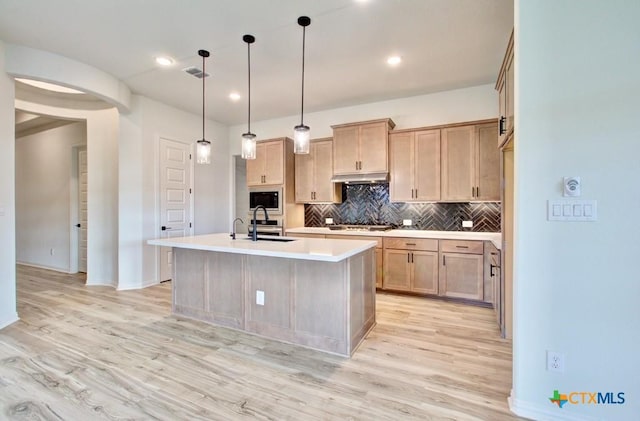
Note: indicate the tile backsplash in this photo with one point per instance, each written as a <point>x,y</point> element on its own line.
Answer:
<point>369,204</point>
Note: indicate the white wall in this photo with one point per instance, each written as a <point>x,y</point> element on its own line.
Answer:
<point>139,183</point>
<point>7,197</point>
<point>577,285</point>
<point>476,103</point>
<point>102,152</point>
<point>43,196</point>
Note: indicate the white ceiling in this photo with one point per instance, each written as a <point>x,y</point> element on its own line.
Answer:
<point>445,44</point>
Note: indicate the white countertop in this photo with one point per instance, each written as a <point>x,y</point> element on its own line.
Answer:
<point>325,250</point>
<point>494,237</point>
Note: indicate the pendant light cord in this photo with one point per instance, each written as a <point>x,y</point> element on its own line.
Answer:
<point>204,75</point>
<point>249,83</point>
<point>304,31</point>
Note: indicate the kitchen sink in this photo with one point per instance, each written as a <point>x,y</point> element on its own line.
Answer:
<point>277,239</point>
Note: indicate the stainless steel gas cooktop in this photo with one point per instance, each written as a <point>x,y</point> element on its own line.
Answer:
<point>360,227</point>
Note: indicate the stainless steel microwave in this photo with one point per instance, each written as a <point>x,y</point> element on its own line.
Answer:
<point>271,198</point>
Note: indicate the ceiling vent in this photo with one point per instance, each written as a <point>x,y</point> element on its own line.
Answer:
<point>194,71</point>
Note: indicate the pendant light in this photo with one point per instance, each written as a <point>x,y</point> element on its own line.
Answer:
<point>301,132</point>
<point>248,138</point>
<point>203,146</point>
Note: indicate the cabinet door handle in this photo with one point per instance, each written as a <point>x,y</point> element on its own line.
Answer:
<point>462,247</point>
<point>411,257</point>
<point>408,258</point>
<point>410,244</point>
<point>473,191</point>
<point>501,126</point>
<point>416,193</point>
<point>444,260</point>
<point>477,191</point>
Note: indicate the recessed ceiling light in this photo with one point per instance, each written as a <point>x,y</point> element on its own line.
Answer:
<point>164,61</point>
<point>394,60</point>
<point>234,96</point>
<point>49,86</point>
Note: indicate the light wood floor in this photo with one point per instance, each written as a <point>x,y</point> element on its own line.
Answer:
<point>85,353</point>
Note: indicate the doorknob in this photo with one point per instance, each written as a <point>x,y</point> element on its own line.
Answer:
<point>78,225</point>
<point>163,228</point>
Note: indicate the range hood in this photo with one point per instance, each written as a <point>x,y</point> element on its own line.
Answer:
<point>375,177</point>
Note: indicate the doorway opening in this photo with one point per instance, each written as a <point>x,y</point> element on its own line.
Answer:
<point>48,192</point>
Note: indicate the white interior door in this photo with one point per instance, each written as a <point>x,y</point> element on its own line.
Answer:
<point>82,210</point>
<point>175,197</point>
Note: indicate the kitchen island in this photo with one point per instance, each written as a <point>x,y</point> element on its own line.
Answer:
<point>319,293</point>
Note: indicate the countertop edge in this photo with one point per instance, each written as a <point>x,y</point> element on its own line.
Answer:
<point>494,237</point>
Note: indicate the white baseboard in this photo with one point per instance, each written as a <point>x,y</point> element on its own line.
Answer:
<point>539,412</point>
<point>146,284</point>
<point>9,320</point>
<point>33,265</point>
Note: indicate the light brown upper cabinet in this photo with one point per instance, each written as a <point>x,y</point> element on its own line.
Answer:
<point>505,87</point>
<point>268,167</point>
<point>360,148</point>
<point>313,174</point>
<point>470,163</point>
<point>414,159</point>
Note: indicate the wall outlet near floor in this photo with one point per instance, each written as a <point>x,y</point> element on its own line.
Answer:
<point>407,222</point>
<point>328,221</point>
<point>467,224</point>
<point>555,361</point>
<point>259,297</point>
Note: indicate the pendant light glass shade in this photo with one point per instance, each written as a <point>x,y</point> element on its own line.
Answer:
<point>248,146</point>
<point>203,146</point>
<point>203,152</point>
<point>248,138</point>
<point>301,134</point>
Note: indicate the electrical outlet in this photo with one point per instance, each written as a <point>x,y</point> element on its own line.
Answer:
<point>328,221</point>
<point>467,224</point>
<point>407,222</point>
<point>555,361</point>
<point>259,297</point>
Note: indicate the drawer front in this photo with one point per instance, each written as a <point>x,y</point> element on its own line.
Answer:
<point>304,235</point>
<point>402,243</point>
<point>461,246</point>
<point>356,237</point>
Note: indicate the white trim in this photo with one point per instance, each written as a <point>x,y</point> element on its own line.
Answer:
<point>5,323</point>
<point>55,269</point>
<point>536,411</point>
<point>147,284</point>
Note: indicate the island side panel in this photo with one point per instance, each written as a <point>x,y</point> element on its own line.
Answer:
<point>209,286</point>
<point>225,288</point>
<point>321,292</point>
<point>272,276</point>
<point>362,297</point>
<point>188,282</point>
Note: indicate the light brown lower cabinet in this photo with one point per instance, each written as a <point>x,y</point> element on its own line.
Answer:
<point>378,250</point>
<point>461,269</point>
<point>411,265</point>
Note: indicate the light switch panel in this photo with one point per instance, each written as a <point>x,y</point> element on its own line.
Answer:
<point>572,210</point>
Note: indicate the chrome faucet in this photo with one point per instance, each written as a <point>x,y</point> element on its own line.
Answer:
<point>233,234</point>
<point>254,233</point>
